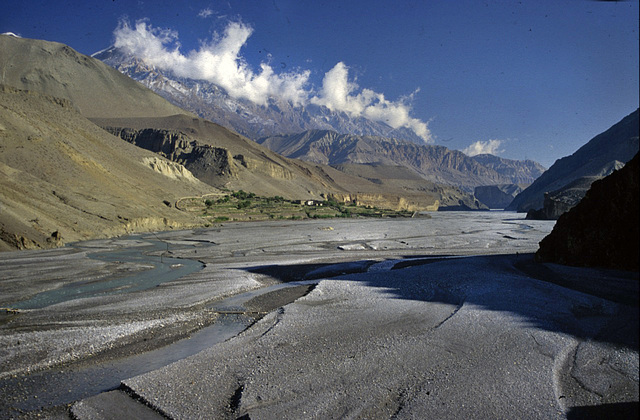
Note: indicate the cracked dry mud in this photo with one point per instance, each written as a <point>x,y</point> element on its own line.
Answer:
<point>444,317</point>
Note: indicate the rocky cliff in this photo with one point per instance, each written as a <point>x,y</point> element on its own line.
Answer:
<point>213,165</point>
<point>222,158</point>
<point>603,229</point>
<point>561,201</point>
<point>521,172</point>
<point>596,158</point>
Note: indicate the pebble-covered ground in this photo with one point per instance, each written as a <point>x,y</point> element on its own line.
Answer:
<point>444,317</point>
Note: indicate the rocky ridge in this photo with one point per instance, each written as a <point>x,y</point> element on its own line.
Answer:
<point>434,163</point>
<point>521,172</point>
<point>598,158</point>
<point>224,159</point>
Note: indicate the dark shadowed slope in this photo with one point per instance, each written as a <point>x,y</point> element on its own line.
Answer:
<point>596,158</point>
<point>602,230</point>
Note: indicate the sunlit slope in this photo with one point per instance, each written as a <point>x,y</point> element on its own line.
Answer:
<point>61,173</point>
<point>94,88</point>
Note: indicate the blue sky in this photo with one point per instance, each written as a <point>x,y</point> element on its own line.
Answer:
<point>524,79</point>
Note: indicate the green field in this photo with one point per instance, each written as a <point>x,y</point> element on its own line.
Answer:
<point>243,206</point>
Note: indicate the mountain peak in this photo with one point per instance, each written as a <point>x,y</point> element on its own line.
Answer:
<point>276,116</point>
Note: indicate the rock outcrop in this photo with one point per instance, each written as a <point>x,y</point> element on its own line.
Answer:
<point>210,164</point>
<point>602,230</point>
<point>222,158</point>
<point>558,202</point>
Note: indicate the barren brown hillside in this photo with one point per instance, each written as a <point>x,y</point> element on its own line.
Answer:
<point>94,88</point>
<point>61,173</point>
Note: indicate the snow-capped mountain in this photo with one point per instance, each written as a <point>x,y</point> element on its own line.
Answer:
<point>211,102</point>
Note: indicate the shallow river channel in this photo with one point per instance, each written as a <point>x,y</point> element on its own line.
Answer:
<point>64,385</point>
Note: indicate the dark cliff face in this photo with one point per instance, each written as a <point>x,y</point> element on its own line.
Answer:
<point>558,202</point>
<point>207,163</point>
<point>602,230</point>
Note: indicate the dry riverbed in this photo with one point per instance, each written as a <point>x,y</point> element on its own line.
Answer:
<point>443,317</point>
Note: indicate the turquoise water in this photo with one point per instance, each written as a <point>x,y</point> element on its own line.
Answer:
<point>164,270</point>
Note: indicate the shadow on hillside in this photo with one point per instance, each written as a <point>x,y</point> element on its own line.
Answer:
<point>509,283</point>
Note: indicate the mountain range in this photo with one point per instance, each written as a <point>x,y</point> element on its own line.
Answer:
<point>434,163</point>
<point>358,140</point>
<point>212,103</point>
<point>88,152</point>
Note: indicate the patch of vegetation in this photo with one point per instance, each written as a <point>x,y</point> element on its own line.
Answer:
<point>243,206</point>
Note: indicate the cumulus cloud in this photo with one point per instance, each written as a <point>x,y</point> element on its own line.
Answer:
<point>481,147</point>
<point>340,94</point>
<point>205,13</point>
<point>219,61</point>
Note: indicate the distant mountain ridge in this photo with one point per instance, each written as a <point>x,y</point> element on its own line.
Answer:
<point>209,101</point>
<point>519,171</point>
<point>597,158</point>
<point>212,103</point>
<point>435,163</point>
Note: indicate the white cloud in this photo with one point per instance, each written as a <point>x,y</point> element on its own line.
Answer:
<point>205,13</point>
<point>219,61</point>
<point>339,94</point>
<point>491,147</point>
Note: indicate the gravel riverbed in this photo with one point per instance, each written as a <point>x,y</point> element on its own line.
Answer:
<point>443,317</point>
